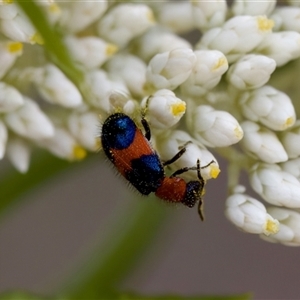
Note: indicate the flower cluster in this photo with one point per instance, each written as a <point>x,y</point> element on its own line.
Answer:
<point>211,95</point>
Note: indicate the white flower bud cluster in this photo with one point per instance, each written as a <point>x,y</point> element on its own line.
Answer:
<point>222,91</point>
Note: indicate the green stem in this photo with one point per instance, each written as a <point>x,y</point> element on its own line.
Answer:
<point>111,260</point>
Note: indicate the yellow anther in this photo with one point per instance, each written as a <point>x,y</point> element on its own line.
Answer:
<point>271,227</point>
<point>79,153</point>
<point>214,171</point>
<point>14,47</point>
<point>288,122</point>
<point>264,24</point>
<point>178,108</point>
<point>220,63</point>
<point>238,131</point>
<point>36,38</point>
<point>111,49</point>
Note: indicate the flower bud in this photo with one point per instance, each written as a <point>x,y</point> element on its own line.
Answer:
<point>292,166</point>
<point>84,127</point>
<point>56,88</point>
<point>214,128</point>
<point>10,98</point>
<point>77,15</point>
<point>124,22</point>
<point>91,52</point>
<point>209,14</point>
<point>176,16</point>
<point>282,46</point>
<point>250,8</point>
<point>291,140</point>
<point>286,18</point>
<point>275,186</point>
<point>289,233</point>
<point>238,36</point>
<point>269,106</point>
<point>63,145</point>
<point>156,40</point>
<point>169,144</point>
<point>251,71</point>
<point>29,121</point>
<point>18,152</point>
<point>250,215</point>
<point>163,109</point>
<point>9,52</point>
<point>206,73</point>
<point>101,87</point>
<point>262,143</point>
<point>16,26</point>
<point>170,69</point>
<point>131,70</point>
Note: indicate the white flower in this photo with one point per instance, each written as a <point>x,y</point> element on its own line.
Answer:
<point>90,51</point>
<point>16,25</point>
<point>262,143</point>
<point>289,233</point>
<point>9,52</point>
<point>10,98</point>
<point>63,145</point>
<point>56,88</point>
<point>238,36</point>
<point>169,144</point>
<point>18,152</point>
<point>177,16</point>
<point>253,8</point>
<point>275,185</point>
<point>101,87</point>
<point>163,109</point>
<point>30,121</point>
<point>269,106</point>
<point>124,22</point>
<point>3,138</point>
<point>158,40</point>
<point>291,140</point>
<point>214,128</point>
<point>209,14</point>
<point>207,72</point>
<point>170,69</point>
<point>287,18</point>
<point>251,71</point>
<point>121,101</point>
<point>8,10</point>
<point>250,215</point>
<point>282,46</point>
<point>131,70</point>
<point>84,127</point>
<point>77,15</point>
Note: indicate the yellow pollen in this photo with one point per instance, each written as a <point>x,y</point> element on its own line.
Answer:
<point>79,153</point>
<point>36,38</point>
<point>15,47</point>
<point>220,63</point>
<point>238,132</point>
<point>214,171</point>
<point>271,227</point>
<point>111,49</point>
<point>289,122</point>
<point>264,24</point>
<point>8,1</point>
<point>178,108</point>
